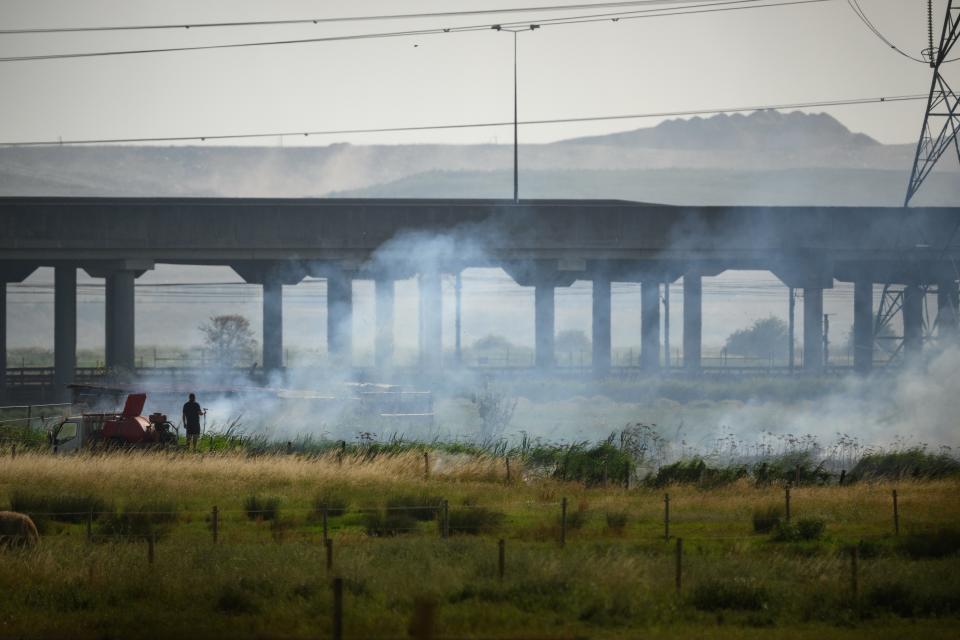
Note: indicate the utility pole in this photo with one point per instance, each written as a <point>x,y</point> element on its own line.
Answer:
<point>791,331</point>
<point>516,137</point>
<point>666,325</point>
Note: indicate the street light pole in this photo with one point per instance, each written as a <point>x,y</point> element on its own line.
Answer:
<point>516,137</point>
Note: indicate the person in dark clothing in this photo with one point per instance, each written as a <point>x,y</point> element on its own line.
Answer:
<point>191,420</point>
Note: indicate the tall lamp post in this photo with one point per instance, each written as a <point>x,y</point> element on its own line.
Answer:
<point>516,154</point>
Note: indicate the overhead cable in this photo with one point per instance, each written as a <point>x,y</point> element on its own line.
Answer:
<point>739,5</point>
<point>339,19</point>
<point>473,125</point>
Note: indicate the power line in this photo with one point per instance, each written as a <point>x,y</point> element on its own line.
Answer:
<point>473,125</point>
<point>654,13</point>
<point>860,13</point>
<point>369,18</point>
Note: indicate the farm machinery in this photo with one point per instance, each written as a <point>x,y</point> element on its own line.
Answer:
<point>127,429</point>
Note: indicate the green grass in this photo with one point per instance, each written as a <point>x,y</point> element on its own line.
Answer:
<point>614,578</point>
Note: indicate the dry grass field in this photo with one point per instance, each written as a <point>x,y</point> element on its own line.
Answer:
<point>615,576</point>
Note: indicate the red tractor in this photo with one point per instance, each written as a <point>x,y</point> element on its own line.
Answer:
<point>114,430</point>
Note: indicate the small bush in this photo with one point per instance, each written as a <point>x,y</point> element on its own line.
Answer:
<point>805,529</point>
<point>577,519</point>
<point>894,597</point>
<point>336,506</point>
<point>767,519</point>
<point>262,508</point>
<point>235,600</point>
<point>474,520</point>
<point>62,507</point>
<point>382,524</point>
<point>909,463</point>
<point>714,595</point>
<point>140,521</point>
<point>696,471</point>
<point>419,507</point>
<point>617,521</point>
<point>931,544</point>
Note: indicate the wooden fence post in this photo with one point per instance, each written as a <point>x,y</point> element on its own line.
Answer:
<point>855,570</point>
<point>666,516</point>
<point>338,609</point>
<point>423,622</point>
<point>215,523</point>
<point>446,519</point>
<point>90,525</point>
<point>426,465</point>
<point>502,559</point>
<point>508,468</point>
<point>787,501</point>
<point>679,576</point>
<point>563,522</point>
<point>896,514</point>
<point>151,540</point>
<point>326,535</point>
<point>13,451</point>
<point>328,543</point>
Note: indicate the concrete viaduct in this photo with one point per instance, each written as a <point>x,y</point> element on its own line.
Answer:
<point>540,243</point>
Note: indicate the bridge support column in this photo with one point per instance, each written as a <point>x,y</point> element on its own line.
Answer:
<point>120,320</point>
<point>948,315</point>
<point>384,291</point>
<point>431,321</point>
<point>650,325</point>
<point>272,324</point>
<point>3,342</point>
<point>340,318</point>
<point>64,330</point>
<point>692,320</point>
<point>545,324</point>
<point>601,324</point>
<point>863,325</point>
<point>813,329</point>
<point>912,320</point>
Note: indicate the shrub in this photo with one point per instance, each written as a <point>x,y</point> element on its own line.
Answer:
<point>235,600</point>
<point>805,529</point>
<point>617,521</point>
<point>379,523</point>
<point>140,521</point>
<point>714,595</point>
<point>262,508</point>
<point>767,519</point>
<point>915,463</point>
<point>419,507</point>
<point>62,507</point>
<point>931,544</point>
<point>474,520</point>
<point>593,466</point>
<point>576,519</point>
<point>894,597</point>
<point>696,471</point>
<point>336,506</point>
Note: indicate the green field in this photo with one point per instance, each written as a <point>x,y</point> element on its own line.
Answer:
<point>615,576</point>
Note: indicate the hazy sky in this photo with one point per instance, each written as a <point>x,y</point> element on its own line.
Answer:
<point>761,56</point>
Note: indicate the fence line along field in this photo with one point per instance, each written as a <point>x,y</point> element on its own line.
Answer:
<point>442,544</point>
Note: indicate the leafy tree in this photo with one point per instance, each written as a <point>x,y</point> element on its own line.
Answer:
<point>765,337</point>
<point>572,341</point>
<point>229,338</point>
<point>492,343</point>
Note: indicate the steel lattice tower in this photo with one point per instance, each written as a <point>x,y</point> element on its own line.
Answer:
<point>942,118</point>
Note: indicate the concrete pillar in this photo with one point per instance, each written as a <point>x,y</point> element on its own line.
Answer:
<point>863,325</point>
<point>272,324</point>
<point>544,324</point>
<point>948,314</point>
<point>64,330</point>
<point>340,318</point>
<point>3,342</point>
<point>912,320</point>
<point>650,325</point>
<point>692,320</point>
<point>601,324</point>
<point>431,321</point>
<point>120,320</point>
<point>384,291</point>
<point>812,329</point>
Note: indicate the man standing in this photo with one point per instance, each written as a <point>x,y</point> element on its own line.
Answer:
<point>191,420</point>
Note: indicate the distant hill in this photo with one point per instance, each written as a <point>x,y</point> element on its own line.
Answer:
<point>760,130</point>
<point>766,157</point>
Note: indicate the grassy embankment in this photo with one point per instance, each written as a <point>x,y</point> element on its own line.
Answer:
<point>614,577</point>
